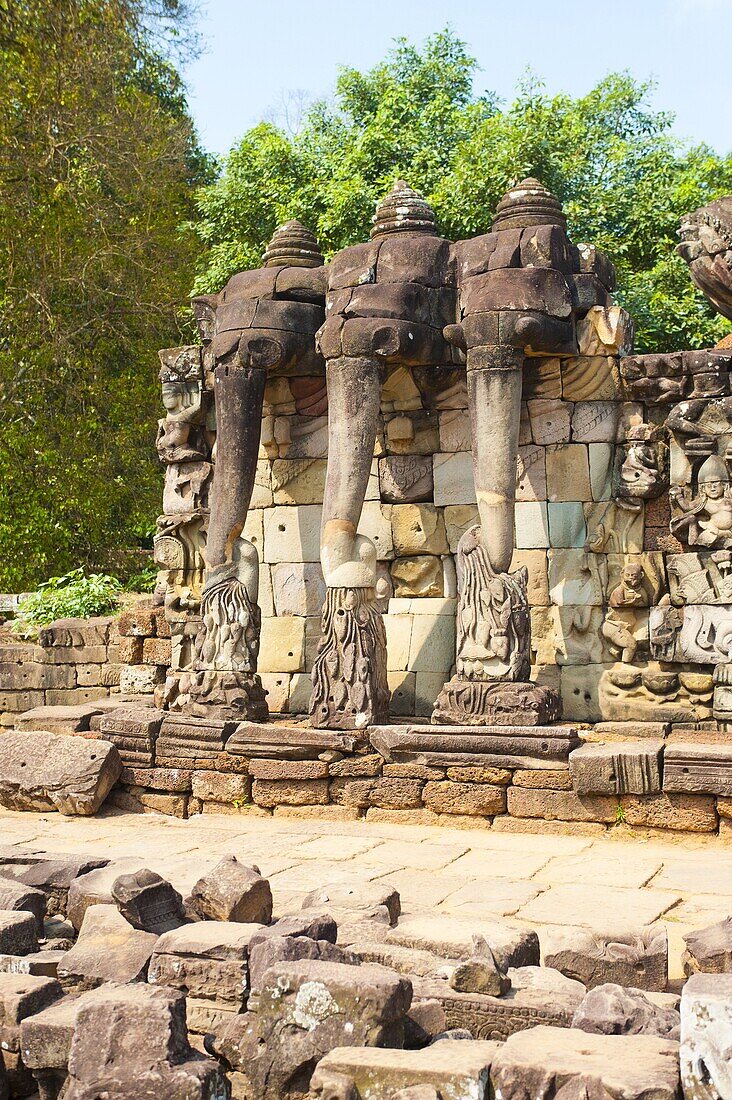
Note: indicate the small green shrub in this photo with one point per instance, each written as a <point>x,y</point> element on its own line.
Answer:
<point>70,596</point>
<point>144,580</point>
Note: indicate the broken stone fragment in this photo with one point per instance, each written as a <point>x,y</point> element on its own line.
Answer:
<point>231,891</point>
<point>21,995</point>
<point>108,949</point>
<point>148,902</point>
<point>270,951</point>
<point>52,876</point>
<point>453,938</point>
<point>304,1010</point>
<point>207,960</point>
<point>709,950</point>
<point>617,1010</point>
<point>47,771</point>
<point>103,1061</point>
<point>538,995</point>
<point>366,898</point>
<point>449,1069</point>
<point>480,973</point>
<point>95,888</point>
<point>424,1022</point>
<point>635,957</point>
<point>17,896</point>
<point>544,1061</point>
<point>17,933</point>
<point>706,1037</point>
<point>311,923</point>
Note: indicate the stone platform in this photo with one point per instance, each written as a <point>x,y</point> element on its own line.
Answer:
<point>559,777</point>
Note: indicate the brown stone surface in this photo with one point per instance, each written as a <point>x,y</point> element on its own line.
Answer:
<point>108,950</point>
<point>562,805</point>
<point>18,933</point>
<point>19,897</point>
<point>634,957</point>
<point>709,950</point>
<point>43,771</point>
<point>288,769</point>
<point>692,813</point>
<point>454,1068</point>
<point>290,792</point>
<point>450,797</point>
<point>630,1067</point>
<point>548,780</point>
<point>148,902</point>
<point>232,892</point>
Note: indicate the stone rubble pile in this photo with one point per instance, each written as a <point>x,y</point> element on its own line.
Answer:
<point>113,985</point>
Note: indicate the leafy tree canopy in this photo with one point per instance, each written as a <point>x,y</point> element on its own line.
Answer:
<point>608,156</point>
<point>98,162</point>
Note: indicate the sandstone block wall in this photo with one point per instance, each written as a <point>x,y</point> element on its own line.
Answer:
<point>74,661</point>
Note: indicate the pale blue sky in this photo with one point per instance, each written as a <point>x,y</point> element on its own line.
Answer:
<point>258,53</point>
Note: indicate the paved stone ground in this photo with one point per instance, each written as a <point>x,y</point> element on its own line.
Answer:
<point>537,878</point>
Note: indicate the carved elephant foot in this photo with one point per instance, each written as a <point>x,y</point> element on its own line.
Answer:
<point>222,696</point>
<point>224,682</point>
<point>350,689</point>
<point>493,653</point>
<point>496,703</point>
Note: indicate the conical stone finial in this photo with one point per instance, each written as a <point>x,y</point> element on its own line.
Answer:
<point>292,245</point>
<point>528,203</point>
<point>403,210</point>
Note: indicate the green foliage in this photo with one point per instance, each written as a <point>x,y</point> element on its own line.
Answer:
<point>144,580</point>
<point>609,157</point>
<point>72,596</point>
<point>98,162</point>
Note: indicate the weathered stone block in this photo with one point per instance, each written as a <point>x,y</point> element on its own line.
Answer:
<point>156,651</point>
<point>230,891</point>
<point>706,1031</point>
<point>554,805</point>
<point>632,957</point>
<point>212,786</point>
<point>448,1068</point>
<point>539,1062</point>
<point>18,933</point>
<point>288,769</point>
<point>282,647</point>
<point>693,813</point>
<point>709,950</point>
<point>698,768</point>
<point>451,797</point>
<point>298,588</point>
<point>417,529</point>
<point>290,792</point>
<point>42,771</point>
<point>617,769</point>
<point>108,950</point>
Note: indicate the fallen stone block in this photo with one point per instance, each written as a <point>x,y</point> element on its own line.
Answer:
<point>18,933</point>
<point>46,771</point>
<point>43,964</point>
<point>148,902</point>
<point>537,995</point>
<point>52,876</point>
<point>18,897</point>
<point>709,950</point>
<point>207,960</point>
<point>21,995</point>
<point>95,888</point>
<point>108,949</point>
<point>306,1009</point>
<point>311,923</point>
<point>619,1010</point>
<point>495,746</point>
<point>698,768</point>
<point>131,1042</point>
<point>264,954</point>
<point>706,1037</point>
<point>231,891</point>
<point>411,961</point>
<point>424,1022</point>
<point>59,719</point>
<point>636,957</point>
<point>480,973</point>
<point>448,1068</point>
<point>452,938</point>
<point>617,768</point>
<point>134,732</point>
<point>367,897</point>
<point>45,1041</point>
<point>545,1060</point>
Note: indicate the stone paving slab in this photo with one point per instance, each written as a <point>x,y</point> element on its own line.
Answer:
<point>584,904</point>
<point>543,879</point>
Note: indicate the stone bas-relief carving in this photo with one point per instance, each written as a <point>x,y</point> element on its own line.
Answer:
<point>654,693</point>
<point>694,634</point>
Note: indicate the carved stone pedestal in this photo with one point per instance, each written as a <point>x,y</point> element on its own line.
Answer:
<point>350,688</point>
<point>496,703</point>
<point>491,685</point>
<point>222,695</point>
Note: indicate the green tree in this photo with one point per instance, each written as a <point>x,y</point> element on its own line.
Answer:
<point>624,180</point>
<point>98,164</point>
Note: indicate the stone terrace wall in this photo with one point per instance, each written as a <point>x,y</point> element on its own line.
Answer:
<point>74,661</point>
<point>581,519</point>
